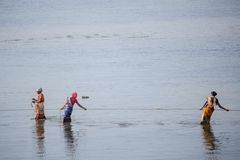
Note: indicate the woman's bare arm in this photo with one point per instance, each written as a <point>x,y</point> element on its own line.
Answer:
<point>81,106</point>
<point>203,105</point>
<point>63,106</point>
<point>220,106</point>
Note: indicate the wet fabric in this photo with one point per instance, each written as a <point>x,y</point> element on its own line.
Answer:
<point>39,111</point>
<point>67,119</point>
<point>208,110</point>
<point>68,109</point>
<point>207,113</point>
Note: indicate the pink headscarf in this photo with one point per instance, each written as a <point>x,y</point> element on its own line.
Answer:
<point>74,95</point>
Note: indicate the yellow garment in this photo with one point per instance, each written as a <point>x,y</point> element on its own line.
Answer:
<point>208,110</point>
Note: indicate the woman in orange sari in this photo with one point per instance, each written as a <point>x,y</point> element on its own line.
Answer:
<point>208,108</point>
<point>39,105</point>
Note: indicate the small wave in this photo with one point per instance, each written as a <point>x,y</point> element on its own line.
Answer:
<point>125,124</point>
<point>12,40</point>
<point>4,125</point>
<point>69,36</point>
<point>144,36</point>
<point>86,36</point>
<point>59,37</point>
<point>30,39</point>
<point>190,124</point>
<point>159,123</point>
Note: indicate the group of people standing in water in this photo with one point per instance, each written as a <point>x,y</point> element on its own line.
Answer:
<point>68,106</point>
<point>207,108</point>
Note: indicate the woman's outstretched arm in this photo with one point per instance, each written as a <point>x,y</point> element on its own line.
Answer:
<point>81,106</point>
<point>220,106</point>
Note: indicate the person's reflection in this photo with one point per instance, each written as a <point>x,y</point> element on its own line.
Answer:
<point>209,139</point>
<point>39,130</point>
<point>70,141</point>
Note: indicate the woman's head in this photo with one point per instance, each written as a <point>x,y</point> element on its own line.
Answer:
<point>213,93</point>
<point>74,95</point>
<point>39,90</point>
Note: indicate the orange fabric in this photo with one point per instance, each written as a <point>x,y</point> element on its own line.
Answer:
<point>208,110</point>
<point>40,98</point>
<point>206,114</point>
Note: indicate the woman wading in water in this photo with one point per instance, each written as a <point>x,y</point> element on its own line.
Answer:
<point>68,106</point>
<point>208,108</point>
<point>39,105</point>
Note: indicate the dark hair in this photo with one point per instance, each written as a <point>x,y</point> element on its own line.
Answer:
<point>213,93</point>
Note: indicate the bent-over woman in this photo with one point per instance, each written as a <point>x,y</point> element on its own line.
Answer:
<point>68,106</point>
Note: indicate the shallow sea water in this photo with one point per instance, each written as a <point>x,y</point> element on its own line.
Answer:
<point>147,67</point>
<point>134,134</point>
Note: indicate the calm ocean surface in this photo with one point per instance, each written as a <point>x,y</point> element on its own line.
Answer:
<point>147,66</point>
